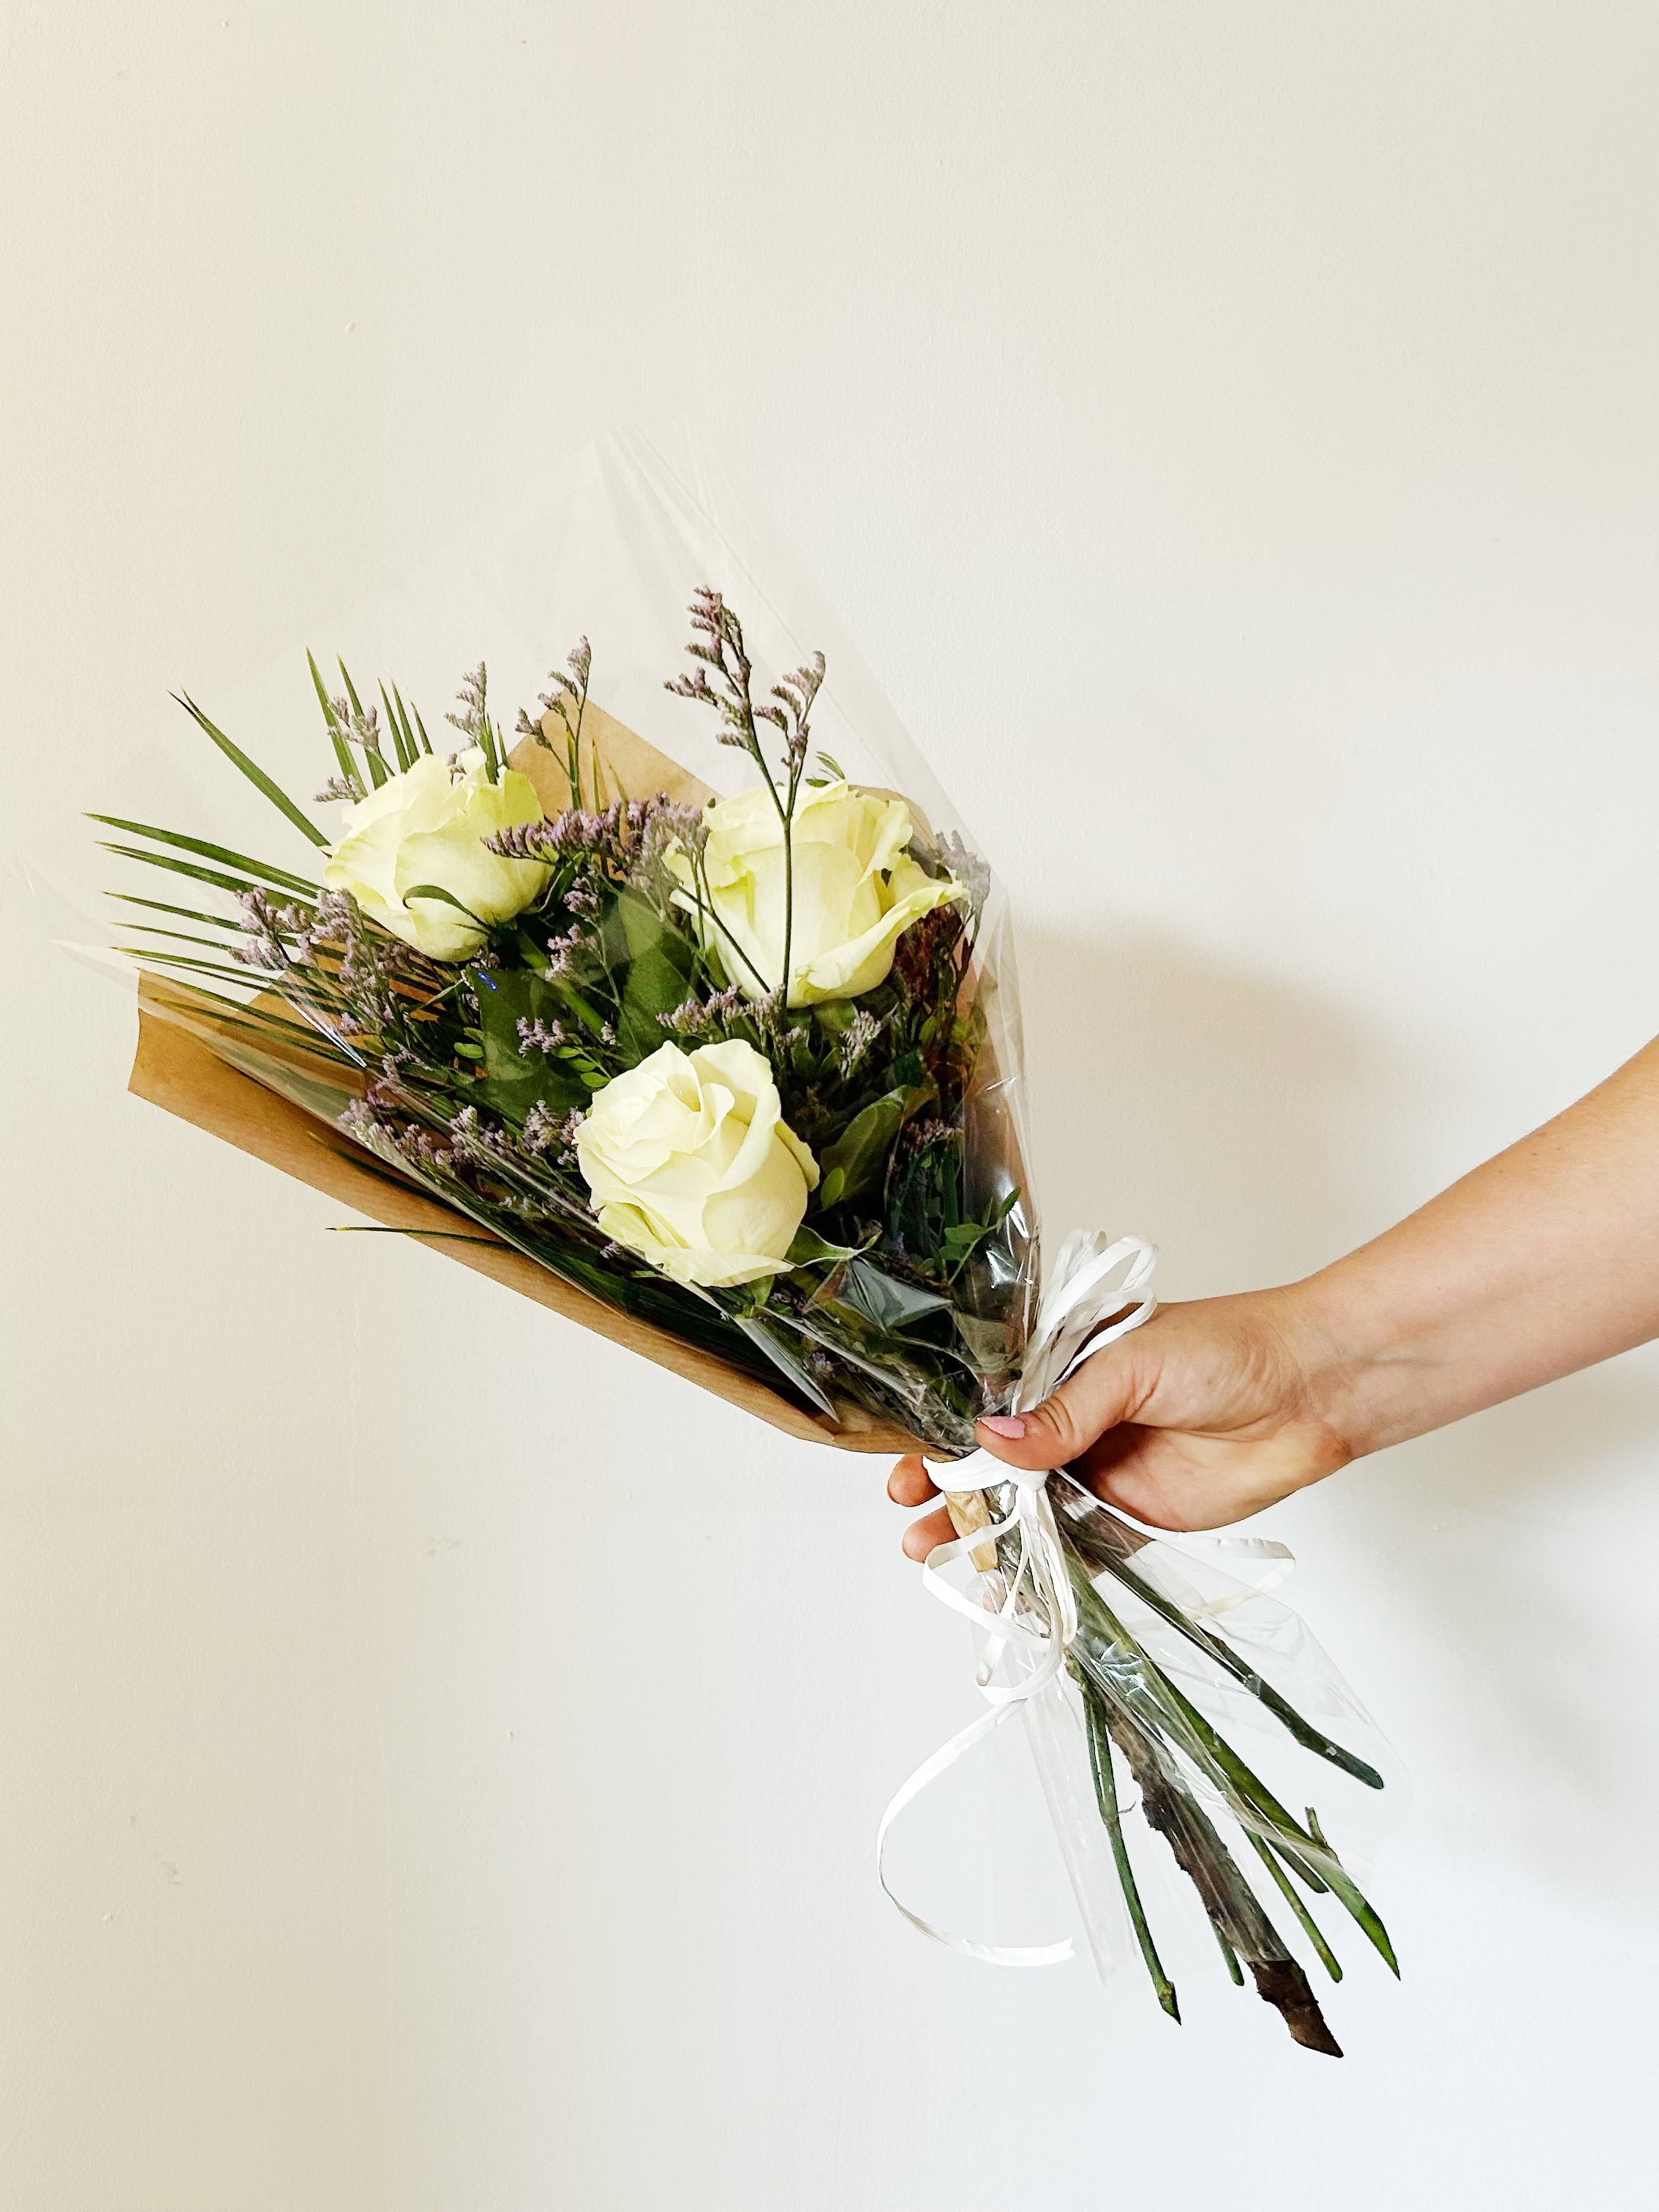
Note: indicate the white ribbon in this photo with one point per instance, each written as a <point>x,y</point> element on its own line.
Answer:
<point>1036,1618</point>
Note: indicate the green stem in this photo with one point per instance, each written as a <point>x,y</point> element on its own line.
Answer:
<point>1228,1955</point>
<point>1214,1648</point>
<point>1288,1837</point>
<point>707,914</point>
<point>1310,1927</point>
<point>789,883</point>
<point>1100,1760</point>
<point>1252,1802</point>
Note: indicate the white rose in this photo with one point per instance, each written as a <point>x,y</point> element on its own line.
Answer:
<point>427,827</point>
<point>856,891</point>
<point>691,1165</point>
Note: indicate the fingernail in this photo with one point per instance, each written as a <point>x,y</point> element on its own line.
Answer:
<point>1003,1425</point>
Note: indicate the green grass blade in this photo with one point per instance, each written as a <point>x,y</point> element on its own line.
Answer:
<point>1216,1648</point>
<point>406,754</point>
<point>378,771</point>
<point>236,884</point>
<point>416,748</point>
<point>182,913</point>
<point>262,870</point>
<point>255,774</point>
<point>341,750</point>
<point>1248,1797</point>
<point>183,937</point>
<point>426,742</point>
<point>1250,1793</point>
<point>260,1021</point>
<point>253,977</point>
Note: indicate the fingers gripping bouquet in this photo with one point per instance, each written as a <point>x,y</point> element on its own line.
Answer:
<point>734,1079</point>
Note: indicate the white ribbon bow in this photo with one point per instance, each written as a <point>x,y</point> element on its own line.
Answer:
<point>1036,1618</point>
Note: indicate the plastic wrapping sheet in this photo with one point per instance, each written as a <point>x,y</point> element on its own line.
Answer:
<point>887,1339</point>
<point>1175,1663</point>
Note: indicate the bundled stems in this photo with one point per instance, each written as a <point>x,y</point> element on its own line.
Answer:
<point>1130,1704</point>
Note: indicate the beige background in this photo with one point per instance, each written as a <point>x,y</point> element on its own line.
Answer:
<point>1230,431</point>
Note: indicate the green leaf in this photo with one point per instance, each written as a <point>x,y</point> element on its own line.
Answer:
<point>155,956</point>
<point>378,771</point>
<point>893,1307</point>
<point>856,1164</point>
<point>341,750</point>
<point>446,898</point>
<point>416,749</point>
<point>404,751</point>
<point>278,877</point>
<point>255,774</point>
<point>659,978</point>
<point>187,937</point>
<point>782,1353</point>
<point>221,1014</point>
<point>809,1249</point>
<point>185,913</point>
<point>515,1080</point>
<point>235,884</point>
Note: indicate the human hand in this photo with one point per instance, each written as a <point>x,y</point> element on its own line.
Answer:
<point>1209,1412</point>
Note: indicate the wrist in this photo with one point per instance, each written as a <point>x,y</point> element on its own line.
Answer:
<point>1368,1386</point>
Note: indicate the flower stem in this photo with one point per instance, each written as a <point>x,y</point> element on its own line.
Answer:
<point>1100,1761</point>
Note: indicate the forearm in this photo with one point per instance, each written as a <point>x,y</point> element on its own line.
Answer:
<point>1541,1262</point>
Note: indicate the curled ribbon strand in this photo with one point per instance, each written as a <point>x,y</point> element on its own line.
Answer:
<point>1036,1618</point>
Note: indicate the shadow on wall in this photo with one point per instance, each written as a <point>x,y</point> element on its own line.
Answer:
<point>1256,1133</point>
<point>1518,1546</point>
<point>1239,1123</point>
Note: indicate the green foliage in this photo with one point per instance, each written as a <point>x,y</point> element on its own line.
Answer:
<point>254,871</point>
<point>856,1166</point>
<point>655,961</point>
<point>255,774</point>
<point>514,1080</point>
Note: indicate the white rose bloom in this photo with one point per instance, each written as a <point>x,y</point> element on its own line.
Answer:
<point>856,891</point>
<point>691,1165</point>
<point>427,827</point>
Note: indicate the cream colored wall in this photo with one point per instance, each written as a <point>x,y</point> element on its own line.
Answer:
<point>1230,431</point>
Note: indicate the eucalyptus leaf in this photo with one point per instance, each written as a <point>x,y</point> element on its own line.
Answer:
<point>895,1308</point>
<point>855,1164</point>
<point>658,962</point>
<point>514,1080</point>
<point>810,1248</point>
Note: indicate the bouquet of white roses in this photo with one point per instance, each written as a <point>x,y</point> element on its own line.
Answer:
<point>735,1079</point>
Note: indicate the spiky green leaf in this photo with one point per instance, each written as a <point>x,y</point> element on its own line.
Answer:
<point>255,774</point>
<point>281,878</point>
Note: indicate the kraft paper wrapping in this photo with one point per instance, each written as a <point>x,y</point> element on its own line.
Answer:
<point>179,1066</point>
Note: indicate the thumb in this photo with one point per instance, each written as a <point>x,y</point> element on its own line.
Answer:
<point>1102,1393</point>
